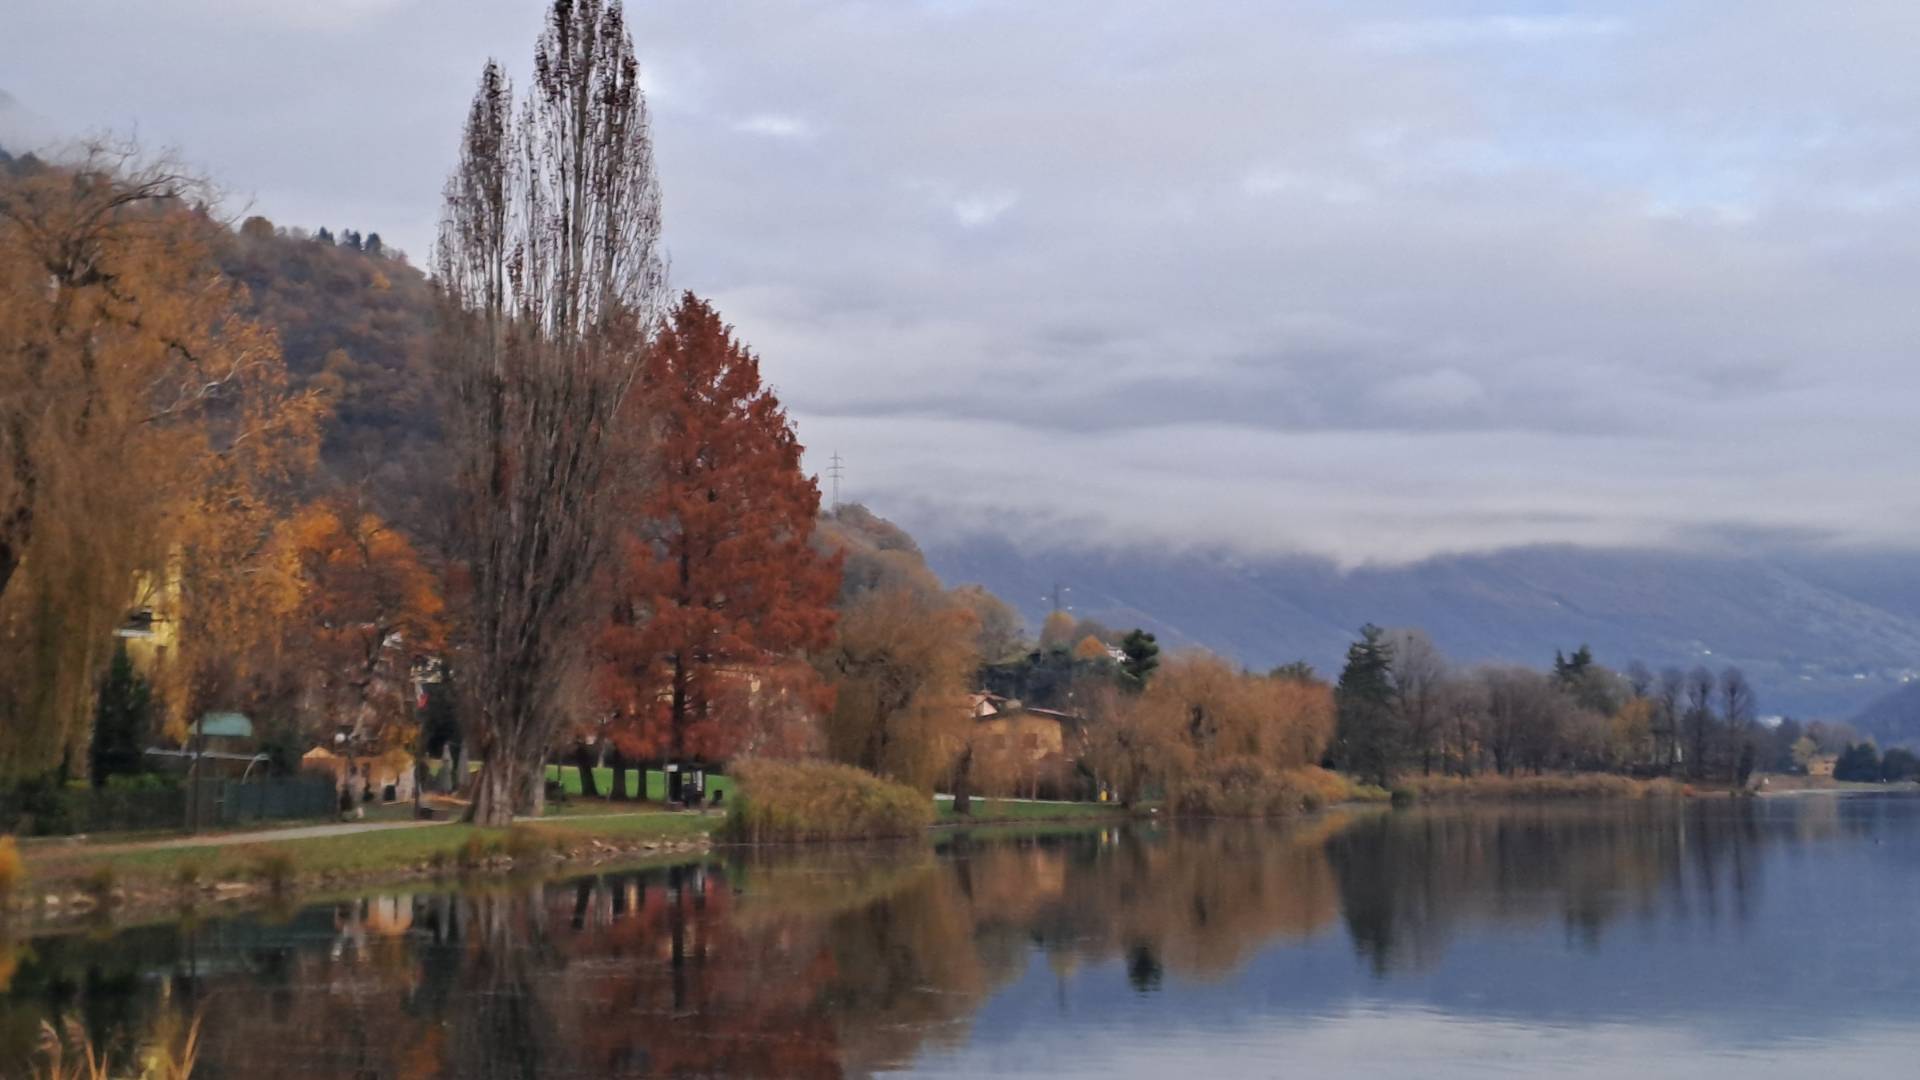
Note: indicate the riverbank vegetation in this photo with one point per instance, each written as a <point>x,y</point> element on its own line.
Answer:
<point>782,802</point>
<point>1599,786</point>
<point>1407,716</point>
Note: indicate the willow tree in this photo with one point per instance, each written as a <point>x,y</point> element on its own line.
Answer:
<point>143,420</point>
<point>549,261</point>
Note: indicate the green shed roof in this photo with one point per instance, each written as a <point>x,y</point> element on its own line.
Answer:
<point>231,724</point>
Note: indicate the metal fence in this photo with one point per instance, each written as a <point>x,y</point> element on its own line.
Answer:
<point>231,802</point>
<point>206,804</point>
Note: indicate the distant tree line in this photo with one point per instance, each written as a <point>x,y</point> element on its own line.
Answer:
<point>1403,708</point>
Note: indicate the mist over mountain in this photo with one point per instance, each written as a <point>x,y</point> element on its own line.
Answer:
<point>1821,635</point>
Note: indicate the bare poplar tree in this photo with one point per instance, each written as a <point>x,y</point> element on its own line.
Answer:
<point>1418,671</point>
<point>1668,693</point>
<point>1736,711</point>
<point>549,259</point>
<point>1698,721</point>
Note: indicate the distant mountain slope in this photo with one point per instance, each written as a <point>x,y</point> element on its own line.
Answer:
<point>1819,636</point>
<point>1893,720</point>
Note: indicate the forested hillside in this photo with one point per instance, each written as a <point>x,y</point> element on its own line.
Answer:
<point>355,322</point>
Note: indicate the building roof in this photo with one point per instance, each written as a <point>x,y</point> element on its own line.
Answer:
<point>229,724</point>
<point>994,707</point>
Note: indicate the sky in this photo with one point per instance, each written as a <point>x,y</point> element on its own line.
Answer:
<point>1368,279</point>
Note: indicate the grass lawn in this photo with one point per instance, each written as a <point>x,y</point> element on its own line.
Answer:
<point>1019,810</point>
<point>582,806</point>
<point>642,826</point>
<point>348,855</point>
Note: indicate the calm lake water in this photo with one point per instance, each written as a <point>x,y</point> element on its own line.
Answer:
<point>1777,937</point>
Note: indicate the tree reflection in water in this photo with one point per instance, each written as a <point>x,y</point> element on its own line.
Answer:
<point>832,962</point>
<point>1409,881</point>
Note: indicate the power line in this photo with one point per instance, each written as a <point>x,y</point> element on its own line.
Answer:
<point>836,468</point>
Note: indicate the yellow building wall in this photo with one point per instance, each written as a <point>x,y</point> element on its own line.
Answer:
<point>1029,736</point>
<point>149,651</point>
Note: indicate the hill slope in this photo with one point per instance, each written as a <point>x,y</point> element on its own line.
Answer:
<point>1893,720</point>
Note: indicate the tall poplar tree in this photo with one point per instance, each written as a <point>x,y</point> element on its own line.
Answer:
<point>549,259</point>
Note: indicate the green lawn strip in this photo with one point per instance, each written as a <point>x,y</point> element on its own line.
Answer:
<point>646,825</point>
<point>591,807</point>
<point>354,854</point>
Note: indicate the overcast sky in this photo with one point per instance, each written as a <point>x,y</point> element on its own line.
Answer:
<point>1363,278</point>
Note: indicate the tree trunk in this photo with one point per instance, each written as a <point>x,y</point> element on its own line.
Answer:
<point>619,762</point>
<point>963,783</point>
<point>533,792</point>
<point>583,759</point>
<point>493,793</point>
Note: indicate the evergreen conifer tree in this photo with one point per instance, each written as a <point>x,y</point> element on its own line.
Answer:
<point>1366,735</point>
<point>1143,655</point>
<point>121,720</point>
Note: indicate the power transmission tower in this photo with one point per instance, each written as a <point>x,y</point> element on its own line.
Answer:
<point>836,468</point>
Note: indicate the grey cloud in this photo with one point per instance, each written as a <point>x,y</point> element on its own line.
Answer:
<point>1372,279</point>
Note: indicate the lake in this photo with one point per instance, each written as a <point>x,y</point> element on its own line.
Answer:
<point>1711,938</point>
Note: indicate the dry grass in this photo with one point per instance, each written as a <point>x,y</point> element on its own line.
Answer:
<point>1535,788</point>
<point>780,802</point>
<point>1319,787</point>
<point>276,868</point>
<point>71,1054</point>
<point>1245,787</point>
<point>13,871</point>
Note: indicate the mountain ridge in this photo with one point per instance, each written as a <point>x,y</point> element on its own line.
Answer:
<point>1821,634</point>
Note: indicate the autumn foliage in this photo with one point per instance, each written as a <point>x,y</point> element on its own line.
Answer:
<point>720,590</point>
<point>783,801</point>
<point>145,426</point>
<point>1224,736</point>
<point>369,604</point>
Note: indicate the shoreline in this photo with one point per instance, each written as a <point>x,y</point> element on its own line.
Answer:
<point>106,880</point>
<point>66,902</point>
<point>232,873</point>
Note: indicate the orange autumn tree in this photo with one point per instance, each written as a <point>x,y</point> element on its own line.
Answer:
<point>368,606</point>
<point>720,592</point>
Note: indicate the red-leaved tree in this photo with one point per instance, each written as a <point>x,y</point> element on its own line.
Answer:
<point>720,593</point>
